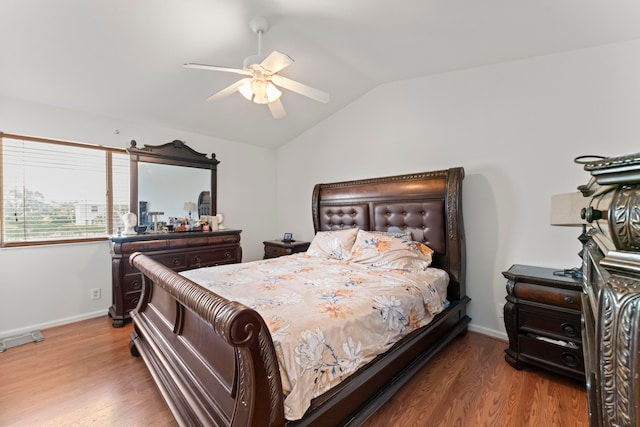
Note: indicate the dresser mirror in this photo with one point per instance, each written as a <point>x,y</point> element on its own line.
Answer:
<point>165,178</point>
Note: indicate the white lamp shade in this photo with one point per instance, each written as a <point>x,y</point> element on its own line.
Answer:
<point>565,209</point>
<point>245,90</point>
<point>273,92</point>
<point>189,206</point>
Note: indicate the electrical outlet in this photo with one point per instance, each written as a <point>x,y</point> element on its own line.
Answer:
<point>95,293</point>
<point>500,310</point>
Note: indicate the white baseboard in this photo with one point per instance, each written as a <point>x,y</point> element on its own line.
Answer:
<point>53,323</point>
<point>490,332</point>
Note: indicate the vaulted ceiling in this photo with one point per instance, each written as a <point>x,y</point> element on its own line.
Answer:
<point>123,59</point>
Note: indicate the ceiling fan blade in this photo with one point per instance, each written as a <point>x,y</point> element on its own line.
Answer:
<point>228,90</point>
<point>217,68</point>
<point>276,61</point>
<point>277,109</point>
<point>300,88</point>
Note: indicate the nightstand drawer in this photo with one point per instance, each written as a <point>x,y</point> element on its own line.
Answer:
<point>277,251</point>
<point>550,353</point>
<point>548,295</point>
<point>566,326</point>
<point>277,248</point>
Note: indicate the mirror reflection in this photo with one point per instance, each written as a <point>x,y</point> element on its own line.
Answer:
<point>166,189</point>
<point>172,185</point>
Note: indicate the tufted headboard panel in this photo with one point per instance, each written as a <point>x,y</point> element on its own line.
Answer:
<point>425,221</point>
<point>344,216</point>
<point>428,204</point>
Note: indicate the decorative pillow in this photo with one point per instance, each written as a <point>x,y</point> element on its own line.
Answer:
<point>386,251</point>
<point>395,232</point>
<point>333,244</point>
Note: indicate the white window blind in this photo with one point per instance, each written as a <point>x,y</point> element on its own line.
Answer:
<point>56,191</point>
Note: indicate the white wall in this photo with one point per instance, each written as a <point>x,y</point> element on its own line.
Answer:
<point>514,127</point>
<point>49,285</point>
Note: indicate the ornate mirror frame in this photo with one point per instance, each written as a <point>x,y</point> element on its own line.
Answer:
<point>175,153</point>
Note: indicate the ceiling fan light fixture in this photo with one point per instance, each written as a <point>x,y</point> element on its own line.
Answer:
<point>245,90</point>
<point>260,91</point>
<point>272,92</point>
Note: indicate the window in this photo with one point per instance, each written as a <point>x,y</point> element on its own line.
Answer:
<point>59,191</point>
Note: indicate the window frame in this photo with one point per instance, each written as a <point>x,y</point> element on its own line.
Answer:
<point>109,151</point>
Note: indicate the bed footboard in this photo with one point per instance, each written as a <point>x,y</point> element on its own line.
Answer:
<point>212,359</point>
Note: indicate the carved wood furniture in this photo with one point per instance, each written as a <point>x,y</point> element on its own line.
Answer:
<point>276,248</point>
<point>542,319</point>
<point>611,297</point>
<point>177,251</point>
<point>167,175</point>
<point>177,155</point>
<point>214,360</point>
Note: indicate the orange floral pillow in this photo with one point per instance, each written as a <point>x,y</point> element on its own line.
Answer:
<point>333,244</point>
<point>380,250</point>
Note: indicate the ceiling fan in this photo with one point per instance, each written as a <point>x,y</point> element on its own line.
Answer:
<point>262,79</point>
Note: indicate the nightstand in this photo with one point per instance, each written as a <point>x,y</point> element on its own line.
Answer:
<point>542,319</point>
<point>276,248</point>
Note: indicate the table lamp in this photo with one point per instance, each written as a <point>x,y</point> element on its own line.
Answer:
<point>565,211</point>
<point>189,207</point>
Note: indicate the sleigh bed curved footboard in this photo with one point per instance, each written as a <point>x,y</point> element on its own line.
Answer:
<point>212,359</point>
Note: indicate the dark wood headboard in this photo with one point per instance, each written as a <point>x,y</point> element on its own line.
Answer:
<point>427,204</point>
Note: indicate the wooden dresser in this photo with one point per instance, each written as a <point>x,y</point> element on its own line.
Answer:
<point>611,291</point>
<point>178,251</point>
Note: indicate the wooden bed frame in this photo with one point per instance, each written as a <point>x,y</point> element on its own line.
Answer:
<point>214,360</point>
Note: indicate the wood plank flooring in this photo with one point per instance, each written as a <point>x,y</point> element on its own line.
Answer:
<point>83,375</point>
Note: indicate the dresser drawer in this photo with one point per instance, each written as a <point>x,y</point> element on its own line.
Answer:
<point>553,354</point>
<point>132,283</point>
<point>198,241</point>
<point>174,260</point>
<point>214,257</point>
<point>131,300</point>
<point>546,321</point>
<point>548,295</point>
<point>224,239</point>
<point>145,246</point>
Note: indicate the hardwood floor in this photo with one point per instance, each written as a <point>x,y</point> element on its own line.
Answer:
<point>83,375</point>
<point>470,384</point>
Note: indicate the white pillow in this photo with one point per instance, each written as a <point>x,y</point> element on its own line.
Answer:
<point>333,244</point>
<point>383,250</point>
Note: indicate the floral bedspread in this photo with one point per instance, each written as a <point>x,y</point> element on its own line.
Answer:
<point>327,317</point>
